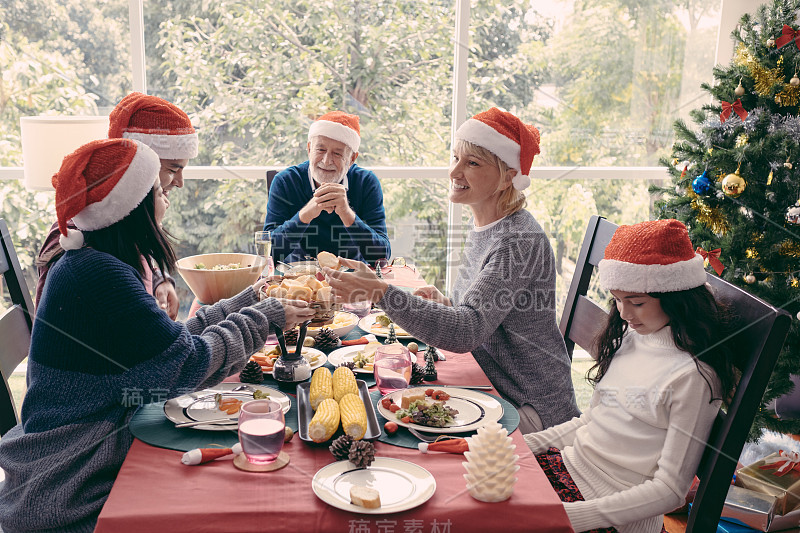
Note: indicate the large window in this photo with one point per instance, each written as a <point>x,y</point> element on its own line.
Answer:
<point>603,80</point>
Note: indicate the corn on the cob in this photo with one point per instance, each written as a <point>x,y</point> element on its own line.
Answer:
<point>321,387</point>
<point>344,382</point>
<point>354,416</point>
<point>325,421</point>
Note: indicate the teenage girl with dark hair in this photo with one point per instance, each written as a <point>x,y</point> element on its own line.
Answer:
<point>100,338</point>
<point>661,374</point>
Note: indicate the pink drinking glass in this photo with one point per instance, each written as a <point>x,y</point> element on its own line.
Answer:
<point>261,431</point>
<point>392,367</point>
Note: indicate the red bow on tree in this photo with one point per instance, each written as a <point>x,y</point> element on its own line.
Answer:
<point>736,107</point>
<point>713,259</point>
<point>788,36</point>
<point>785,462</point>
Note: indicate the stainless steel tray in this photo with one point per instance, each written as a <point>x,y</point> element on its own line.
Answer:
<point>305,413</point>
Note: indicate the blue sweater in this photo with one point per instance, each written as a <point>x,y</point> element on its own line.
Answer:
<point>365,240</point>
<point>100,347</point>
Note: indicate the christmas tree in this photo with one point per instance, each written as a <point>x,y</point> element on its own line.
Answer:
<point>736,177</point>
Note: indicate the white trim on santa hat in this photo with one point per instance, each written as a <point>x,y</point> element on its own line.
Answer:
<point>335,131</point>
<point>183,146</point>
<point>633,277</point>
<point>128,193</point>
<point>481,134</point>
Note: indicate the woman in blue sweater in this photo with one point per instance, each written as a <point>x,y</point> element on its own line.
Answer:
<point>99,339</point>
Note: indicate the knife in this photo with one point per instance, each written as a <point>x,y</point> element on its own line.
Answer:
<point>212,421</point>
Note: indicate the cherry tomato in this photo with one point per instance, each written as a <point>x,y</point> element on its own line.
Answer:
<point>429,392</point>
<point>386,403</point>
<point>390,427</point>
<point>406,419</point>
<point>394,408</point>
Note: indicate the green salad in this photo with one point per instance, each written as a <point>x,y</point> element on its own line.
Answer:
<point>436,414</point>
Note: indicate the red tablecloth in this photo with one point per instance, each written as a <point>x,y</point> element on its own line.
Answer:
<point>155,492</point>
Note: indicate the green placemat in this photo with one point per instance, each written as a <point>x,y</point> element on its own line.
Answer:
<point>150,425</point>
<point>404,439</point>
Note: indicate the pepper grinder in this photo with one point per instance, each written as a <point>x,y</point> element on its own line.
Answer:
<point>292,367</point>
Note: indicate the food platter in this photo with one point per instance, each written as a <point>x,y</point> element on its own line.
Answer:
<point>401,484</point>
<point>345,354</point>
<point>343,323</point>
<point>369,325</point>
<point>305,413</point>
<point>200,405</point>
<point>475,410</point>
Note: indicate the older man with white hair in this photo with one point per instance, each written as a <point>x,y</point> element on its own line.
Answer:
<point>328,203</point>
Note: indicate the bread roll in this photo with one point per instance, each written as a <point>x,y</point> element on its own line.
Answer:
<point>365,497</point>
<point>323,294</point>
<point>299,293</point>
<point>327,259</point>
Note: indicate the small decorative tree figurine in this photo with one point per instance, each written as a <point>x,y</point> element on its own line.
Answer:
<point>378,271</point>
<point>430,368</point>
<point>391,338</point>
<point>491,464</point>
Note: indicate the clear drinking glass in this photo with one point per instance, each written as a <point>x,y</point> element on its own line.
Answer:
<point>263,242</point>
<point>261,431</point>
<point>392,368</point>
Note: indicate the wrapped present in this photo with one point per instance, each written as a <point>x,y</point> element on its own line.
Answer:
<point>748,508</point>
<point>776,475</point>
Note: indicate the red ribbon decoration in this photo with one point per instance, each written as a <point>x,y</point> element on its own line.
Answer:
<point>788,36</point>
<point>736,107</point>
<point>785,463</point>
<point>713,259</point>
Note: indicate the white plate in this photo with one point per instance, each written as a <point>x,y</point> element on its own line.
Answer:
<point>475,410</point>
<point>402,485</point>
<point>345,354</point>
<point>200,405</point>
<point>368,321</point>
<point>340,331</point>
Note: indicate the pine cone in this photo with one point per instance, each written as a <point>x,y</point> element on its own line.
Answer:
<point>340,448</point>
<point>251,373</point>
<point>417,374</point>
<point>362,453</point>
<point>290,337</point>
<point>327,339</point>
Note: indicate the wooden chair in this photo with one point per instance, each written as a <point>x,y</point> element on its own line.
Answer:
<point>760,332</point>
<point>15,326</point>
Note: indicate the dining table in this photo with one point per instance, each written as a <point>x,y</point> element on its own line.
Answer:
<point>154,491</point>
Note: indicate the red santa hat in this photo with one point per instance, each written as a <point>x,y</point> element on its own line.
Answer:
<point>162,126</point>
<point>507,137</point>
<point>100,183</point>
<point>654,256</point>
<point>339,126</point>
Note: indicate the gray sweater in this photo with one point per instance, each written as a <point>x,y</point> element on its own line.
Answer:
<point>504,312</point>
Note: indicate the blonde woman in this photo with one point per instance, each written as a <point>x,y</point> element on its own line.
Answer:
<point>503,303</point>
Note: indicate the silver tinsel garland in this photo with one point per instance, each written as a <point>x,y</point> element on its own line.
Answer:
<point>787,124</point>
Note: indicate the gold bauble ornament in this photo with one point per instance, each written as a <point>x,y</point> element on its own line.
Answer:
<point>795,81</point>
<point>750,279</point>
<point>739,90</point>
<point>733,185</point>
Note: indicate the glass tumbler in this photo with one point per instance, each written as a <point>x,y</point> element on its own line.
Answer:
<point>261,431</point>
<point>392,367</point>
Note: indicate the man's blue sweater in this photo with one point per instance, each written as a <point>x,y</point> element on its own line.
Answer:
<point>365,240</point>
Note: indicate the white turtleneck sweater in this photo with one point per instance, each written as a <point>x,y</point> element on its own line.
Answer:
<point>634,452</point>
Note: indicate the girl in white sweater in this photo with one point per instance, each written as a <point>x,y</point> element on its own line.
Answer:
<point>659,379</point>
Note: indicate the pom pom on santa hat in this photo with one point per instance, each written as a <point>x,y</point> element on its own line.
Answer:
<point>339,126</point>
<point>507,137</point>
<point>162,126</point>
<point>653,256</point>
<point>100,183</point>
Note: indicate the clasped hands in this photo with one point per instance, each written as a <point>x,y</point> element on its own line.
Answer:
<point>329,197</point>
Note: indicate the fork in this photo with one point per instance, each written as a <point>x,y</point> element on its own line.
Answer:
<point>422,436</point>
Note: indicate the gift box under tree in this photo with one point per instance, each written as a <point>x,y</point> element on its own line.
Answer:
<point>777,475</point>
